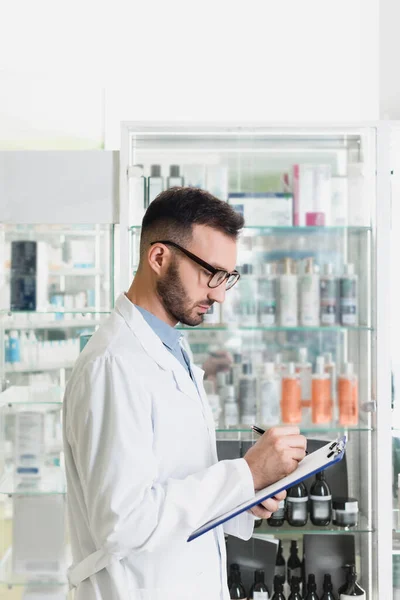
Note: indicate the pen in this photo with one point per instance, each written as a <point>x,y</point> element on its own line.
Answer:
<point>261,431</point>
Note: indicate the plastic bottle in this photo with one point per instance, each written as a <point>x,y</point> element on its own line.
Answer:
<point>232,568</point>
<point>330,368</point>
<point>309,289</point>
<point>248,395</point>
<point>174,179</point>
<point>6,348</point>
<point>351,588</point>
<point>248,297</point>
<point>291,396</point>
<point>311,588</point>
<point>321,403</point>
<point>236,589</point>
<point>137,195</point>
<point>231,407</point>
<point>14,348</point>
<point>280,564</point>
<point>278,589</point>
<point>348,396</point>
<point>277,518</point>
<point>349,297</point>
<point>293,563</point>
<point>288,295</point>
<point>320,501</point>
<point>328,588</point>
<point>270,396</point>
<point>155,184</point>
<point>329,296</point>
<point>297,506</point>
<point>304,369</point>
<point>259,590</point>
<point>295,589</point>
<point>267,295</point>
<point>280,366</point>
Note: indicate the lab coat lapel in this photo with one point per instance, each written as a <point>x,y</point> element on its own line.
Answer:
<point>154,347</point>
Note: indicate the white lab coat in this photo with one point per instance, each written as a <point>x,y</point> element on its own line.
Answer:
<point>142,471</point>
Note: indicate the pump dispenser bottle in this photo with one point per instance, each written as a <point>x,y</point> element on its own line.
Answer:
<point>309,287</point>
<point>155,183</point>
<point>291,396</point>
<point>348,396</point>
<point>295,589</point>
<point>278,589</point>
<point>321,404</point>
<point>328,588</point>
<point>349,297</point>
<point>311,588</point>
<point>351,588</point>
<point>304,369</point>
<point>288,295</point>
<point>329,296</point>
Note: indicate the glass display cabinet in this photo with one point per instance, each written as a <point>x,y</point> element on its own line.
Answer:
<point>300,329</point>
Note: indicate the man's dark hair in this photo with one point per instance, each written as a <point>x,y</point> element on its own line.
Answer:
<point>173,213</point>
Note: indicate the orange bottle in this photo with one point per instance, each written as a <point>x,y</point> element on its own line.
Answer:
<point>348,396</point>
<point>291,396</point>
<point>321,400</point>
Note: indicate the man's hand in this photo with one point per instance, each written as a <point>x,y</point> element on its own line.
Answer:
<point>268,507</point>
<point>275,455</point>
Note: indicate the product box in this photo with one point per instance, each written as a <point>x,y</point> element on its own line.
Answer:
<point>264,209</point>
<point>311,195</point>
<point>39,536</point>
<point>29,275</point>
<point>29,444</point>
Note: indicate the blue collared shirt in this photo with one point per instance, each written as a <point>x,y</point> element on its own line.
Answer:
<point>169,336</point>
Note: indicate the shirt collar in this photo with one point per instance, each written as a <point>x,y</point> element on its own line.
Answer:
<point>169,336</point>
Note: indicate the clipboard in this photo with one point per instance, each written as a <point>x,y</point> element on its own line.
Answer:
<point>317,461</point>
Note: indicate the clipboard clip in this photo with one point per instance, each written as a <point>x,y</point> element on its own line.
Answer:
<point>337,447</point>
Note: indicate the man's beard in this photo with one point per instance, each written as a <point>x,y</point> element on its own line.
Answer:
<point>175,299</point>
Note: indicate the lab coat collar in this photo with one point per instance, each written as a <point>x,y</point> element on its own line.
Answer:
<point>154,347</point>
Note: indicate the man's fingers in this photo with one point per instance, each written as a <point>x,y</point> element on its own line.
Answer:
<point>281,496</point>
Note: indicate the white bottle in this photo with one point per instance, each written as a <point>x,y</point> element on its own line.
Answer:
<point>304,369</point>
<point>309,296</point>
<point>155,183</point>
<point>213,315</point>
<point>349,297</point>
<point>248,395</point>
<point>213,400</point>
<point>329,296</point>
<point>280,366</point>
<point>231,407</point>
<point>269,396</point>
<point>288,295</point>
<point>248,297</point>
<point>29,444</point>
<point>267,295</point>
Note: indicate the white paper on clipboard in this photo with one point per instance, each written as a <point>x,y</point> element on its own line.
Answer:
<point>318,461</point>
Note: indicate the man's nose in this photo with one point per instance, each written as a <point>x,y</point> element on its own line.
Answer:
<point>217,294</point>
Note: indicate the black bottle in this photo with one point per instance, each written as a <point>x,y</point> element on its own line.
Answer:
<point>233,567</point>
<point>311,588</point>
<point>351,587</point>
<point>293,563</point>
<point>259,586</point>
<point>257,523</point>
<point>297,505</point>
<point>236,589</point>
<point>320,501</point>
<point>295,589</point>
<point>328,588</point>
<point>277,518</point>
<point>278,588</point>
<point>280,564</point>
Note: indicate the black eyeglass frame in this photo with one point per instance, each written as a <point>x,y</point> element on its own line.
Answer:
<point>203,264</point>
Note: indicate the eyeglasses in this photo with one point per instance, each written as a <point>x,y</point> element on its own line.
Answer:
<point>217,277</point>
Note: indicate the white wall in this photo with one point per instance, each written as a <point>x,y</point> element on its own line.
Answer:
<point>180,60</point>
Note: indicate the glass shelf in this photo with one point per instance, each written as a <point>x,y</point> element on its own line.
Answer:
<point>294,230</point>
<point>57,324</point>
<point>297,532</point>
<point>25,395</point>
<point>9,578</point>
<point>58,311</point>
<point>21,368</point>
<point>236,328</point>
<point>52,481</point>
<point>304,429</point>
